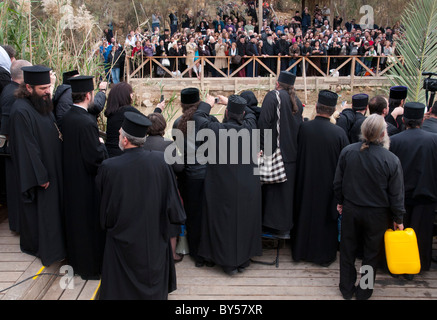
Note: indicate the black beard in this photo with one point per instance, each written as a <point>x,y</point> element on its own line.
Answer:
<point>43,105</point>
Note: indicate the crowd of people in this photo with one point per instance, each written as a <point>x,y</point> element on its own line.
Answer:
<point>112,204</point>
<point>229,39</point>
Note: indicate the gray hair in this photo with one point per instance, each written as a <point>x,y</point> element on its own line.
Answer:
<point>374,130</point>
<point>136,141</point>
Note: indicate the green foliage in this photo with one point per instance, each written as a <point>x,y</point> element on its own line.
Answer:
<point>417,46</point>
<point>44,39</point>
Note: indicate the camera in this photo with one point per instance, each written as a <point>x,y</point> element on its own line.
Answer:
<point>429,83</point>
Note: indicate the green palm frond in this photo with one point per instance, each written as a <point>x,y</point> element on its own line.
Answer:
<point>417,47</point>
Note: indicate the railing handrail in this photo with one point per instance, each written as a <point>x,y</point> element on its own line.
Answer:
<point>205,60</point>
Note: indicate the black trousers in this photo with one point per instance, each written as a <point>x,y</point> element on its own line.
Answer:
<point>369,224</point>
<point>192,195</point>
<point>420,218</point>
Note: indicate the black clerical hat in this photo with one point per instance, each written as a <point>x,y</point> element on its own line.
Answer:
<point>236,104</point>
<point>135,124</point>
<point>67,75</point>
<point>36,75</point>
<point>190,95</point>
<point>82,84</point>
<point>414,110</point>
<point>360,101</point>
<point>328,98</point>
<point>398,92</point>
<point>287,77</point>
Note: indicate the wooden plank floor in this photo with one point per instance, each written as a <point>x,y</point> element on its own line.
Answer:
<point>290,281</point>
<point>16,266</point>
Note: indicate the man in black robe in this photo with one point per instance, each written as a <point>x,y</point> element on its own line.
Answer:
<point>396,101</point>
<point>349,116</point>
<point>360,104</point>
<point>269,48</point>
<point>7,99</point>
<point>83,152</point>
<point>315,234</point>
<point>62,97</point>
<point>379,105</point>
<point>231,226</point>
<point>36,149</point>
<point>417,151</point>
<point>278,198</point>
<point>369,188</point>
<point>139,200</point>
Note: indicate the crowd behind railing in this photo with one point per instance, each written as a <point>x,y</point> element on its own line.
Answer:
<point>229,40</point>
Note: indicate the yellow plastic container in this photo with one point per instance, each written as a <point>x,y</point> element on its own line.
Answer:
<point>402,252</point>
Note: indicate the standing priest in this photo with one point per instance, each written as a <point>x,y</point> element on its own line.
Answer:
<point>36,150</point>
<point>417,151</point>
<point>278,198</point>
<point>231,225</point>
<point>139,200</point>
<point>320,143</point>
<point>82,155</point>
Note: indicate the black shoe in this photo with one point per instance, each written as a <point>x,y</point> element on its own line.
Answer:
<point>209,264</point>
<point>363,294</point>
<point>199,264</point>
<point>230,270</point>
<point>349,295</point>
<point>326,264</point>
<point>90,277</point>
<point>243,266</point>
<point>409,277</point>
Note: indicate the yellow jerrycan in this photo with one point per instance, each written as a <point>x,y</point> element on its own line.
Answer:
<point>401,251</point>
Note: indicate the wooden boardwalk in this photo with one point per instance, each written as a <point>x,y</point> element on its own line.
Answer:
<point>289,281</point>
<point>17,270</point>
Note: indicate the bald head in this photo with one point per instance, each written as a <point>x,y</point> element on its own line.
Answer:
<point>16,72</point>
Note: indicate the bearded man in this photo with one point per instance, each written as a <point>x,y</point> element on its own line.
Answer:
<point>36,149</point>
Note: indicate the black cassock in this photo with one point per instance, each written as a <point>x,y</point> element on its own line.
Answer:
<point>277,199</point>
<point>417,151</point>
<point>314,237</point>
<point>355,131</point>
<point>82,155</point>
<point>231,224</point>
<point>36,150</point>
<point>7,99</point>
<point>139,199</point>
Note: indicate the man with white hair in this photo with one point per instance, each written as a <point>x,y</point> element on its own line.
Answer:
<point>369,188</point>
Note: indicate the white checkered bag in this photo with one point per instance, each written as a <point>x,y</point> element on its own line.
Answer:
<point>271,168</point>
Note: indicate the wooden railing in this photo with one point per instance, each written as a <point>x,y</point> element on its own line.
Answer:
<point>147,66</point>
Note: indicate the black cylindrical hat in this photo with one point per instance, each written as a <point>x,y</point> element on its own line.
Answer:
<point>82,84</point>
<point>398,92</point>
<point>236,104</point>
<point>190,95</point>
<point>135,124</point>
<point>287,78</point>
<point>67,75</point>
<point>328,98</point>
<point>414,110</point>
<point>36,75</point>
<point>360,101</point>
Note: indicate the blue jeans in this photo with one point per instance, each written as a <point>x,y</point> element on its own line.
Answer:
<point>115,75</point>
<point>294,69</point>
